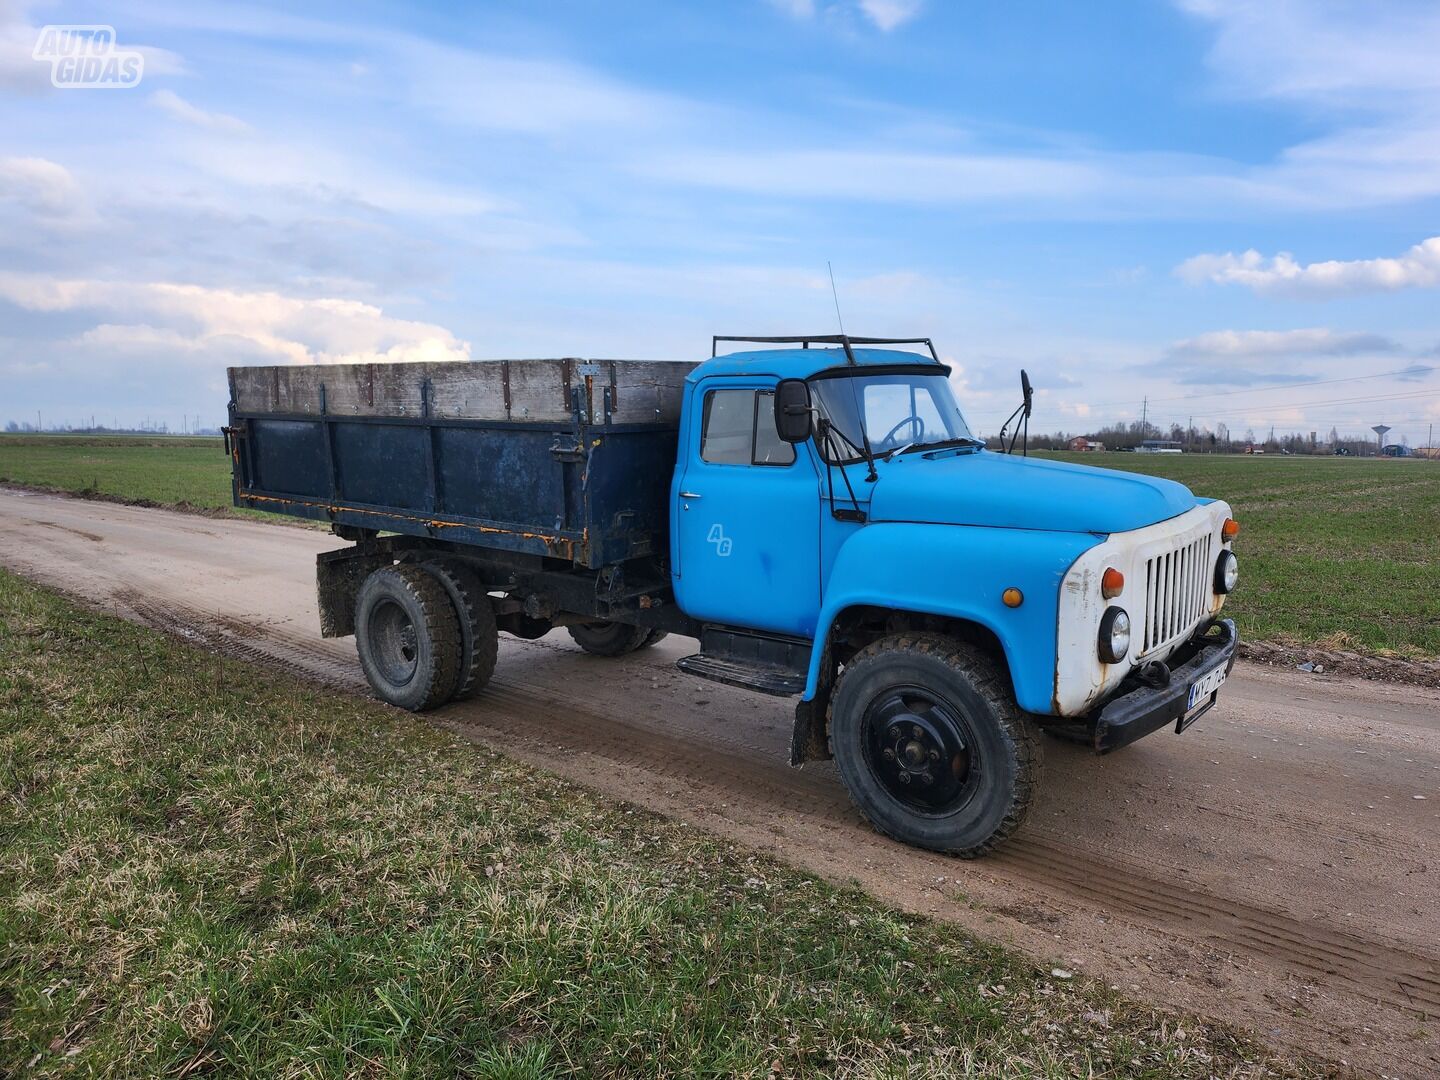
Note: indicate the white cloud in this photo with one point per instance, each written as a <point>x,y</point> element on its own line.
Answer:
<point>895,177</point>
<point>884,15</point>
<point>172,103</point>
<point>889,14</point>
<point>796,9</point>
<point>1245,345</point>
<point>20,71</point>
<point>42,186</point>
<point>1352,53</point>
<point>1419,267</point>
<point>531,96</point>
<point>205,322</point>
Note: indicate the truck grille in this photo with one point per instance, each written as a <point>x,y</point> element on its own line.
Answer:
<point>1177,592</point>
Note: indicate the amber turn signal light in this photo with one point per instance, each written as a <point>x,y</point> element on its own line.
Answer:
<point>1013,597</point>
<point>1112,583</point>
<point>1230,529</point>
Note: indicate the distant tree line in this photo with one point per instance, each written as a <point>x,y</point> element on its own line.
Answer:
<point>16,427</point>
<point>1205,440</point>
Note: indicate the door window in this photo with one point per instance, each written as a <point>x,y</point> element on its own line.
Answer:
<point>739,429</point>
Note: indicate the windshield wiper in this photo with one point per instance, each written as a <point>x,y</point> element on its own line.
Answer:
<point>941,444</point>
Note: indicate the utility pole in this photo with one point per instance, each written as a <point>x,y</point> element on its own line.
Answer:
<point>1144,411</point>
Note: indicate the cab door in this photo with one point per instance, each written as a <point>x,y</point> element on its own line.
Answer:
<point>745,515</point>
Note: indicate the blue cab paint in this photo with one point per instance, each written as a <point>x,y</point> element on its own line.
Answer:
<point>946,532</point>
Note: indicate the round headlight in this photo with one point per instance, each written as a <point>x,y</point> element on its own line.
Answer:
<point>1114,635</point>
<point>1227,572</point>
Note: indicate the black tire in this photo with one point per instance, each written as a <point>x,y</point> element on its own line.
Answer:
<point>608,638</point>
<point>408,636</point>
<point>654,637</point>
<point>479,638</point>
<point>904,707</point>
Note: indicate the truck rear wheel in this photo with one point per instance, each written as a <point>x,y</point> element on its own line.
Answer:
<point>654,637</point>
<point>931,744</point>
<point>407,633</point>
<point>479,638</point>
<point>608,638</point>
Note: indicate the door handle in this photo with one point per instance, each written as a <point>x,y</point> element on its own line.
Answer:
<point>689,495</point>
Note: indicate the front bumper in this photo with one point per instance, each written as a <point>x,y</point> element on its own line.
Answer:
<point>1134,713</point>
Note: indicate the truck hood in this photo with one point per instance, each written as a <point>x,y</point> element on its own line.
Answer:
<point>1004,491</point>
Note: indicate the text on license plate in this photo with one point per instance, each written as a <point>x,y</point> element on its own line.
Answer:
<point>1203,687</point>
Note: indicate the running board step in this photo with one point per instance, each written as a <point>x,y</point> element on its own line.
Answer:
<point>767,680</point>
<point>768,663</point>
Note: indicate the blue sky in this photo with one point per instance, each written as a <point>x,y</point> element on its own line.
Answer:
<point>1205,203</point>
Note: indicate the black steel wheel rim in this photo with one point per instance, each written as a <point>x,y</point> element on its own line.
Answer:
<point>393,642</point>
<point>922,750</point>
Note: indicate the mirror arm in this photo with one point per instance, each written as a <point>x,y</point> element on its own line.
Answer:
<point>827,431</point>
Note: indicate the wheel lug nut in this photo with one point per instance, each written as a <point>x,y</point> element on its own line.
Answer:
<point>904,777</point>
<point>934,755</point>
<point>889,754</point>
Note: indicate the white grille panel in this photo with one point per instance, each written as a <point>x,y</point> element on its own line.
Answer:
<point>1176,592</point>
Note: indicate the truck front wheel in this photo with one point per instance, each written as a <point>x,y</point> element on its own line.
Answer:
<point>931,744</point>
<point>608,638</point>
<point>407,633</point>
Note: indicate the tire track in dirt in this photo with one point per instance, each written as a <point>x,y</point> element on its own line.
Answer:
<point>1387,973</point>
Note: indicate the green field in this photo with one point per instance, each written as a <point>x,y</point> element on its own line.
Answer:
<point>1344,553</point>
<point>212,868</point>
<point>161,469</point>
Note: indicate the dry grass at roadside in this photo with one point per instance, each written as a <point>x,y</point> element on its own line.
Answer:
<point>214,868</point>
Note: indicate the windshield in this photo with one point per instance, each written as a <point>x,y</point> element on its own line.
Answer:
<point>895,411</point>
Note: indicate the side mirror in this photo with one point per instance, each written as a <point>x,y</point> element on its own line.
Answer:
<point>1025,390</point>
<point>793,421</point>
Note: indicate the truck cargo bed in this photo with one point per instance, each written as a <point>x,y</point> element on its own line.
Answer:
<point>565,458</point>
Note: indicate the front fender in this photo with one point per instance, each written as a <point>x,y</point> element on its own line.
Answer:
<point>960,571</point>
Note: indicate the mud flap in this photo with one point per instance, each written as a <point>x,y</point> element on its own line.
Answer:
<point>807,739</point>
<point>338,577</point>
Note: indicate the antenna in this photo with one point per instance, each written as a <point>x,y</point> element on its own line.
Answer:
<point>836,295</point>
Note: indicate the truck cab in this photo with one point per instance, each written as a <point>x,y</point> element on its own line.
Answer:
<point>837,529</point>
<point>816,513</point>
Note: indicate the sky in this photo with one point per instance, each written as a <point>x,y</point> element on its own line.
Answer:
<point>1213,211</point>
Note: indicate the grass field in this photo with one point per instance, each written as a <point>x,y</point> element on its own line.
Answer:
<point>163,469</point>
<point>1343,552</point>
<point>213,868</point>
<point>1339,552</point>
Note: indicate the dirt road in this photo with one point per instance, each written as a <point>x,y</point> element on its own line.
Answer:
<point>1278,866</point>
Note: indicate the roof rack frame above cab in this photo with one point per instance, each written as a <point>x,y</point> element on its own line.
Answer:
<point>806,340</point>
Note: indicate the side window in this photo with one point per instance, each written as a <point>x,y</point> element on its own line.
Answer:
<point>738,428</point>
<point>769,448</point>
<point>729,425</point>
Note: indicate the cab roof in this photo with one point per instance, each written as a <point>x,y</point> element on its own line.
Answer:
<point>804,363</point>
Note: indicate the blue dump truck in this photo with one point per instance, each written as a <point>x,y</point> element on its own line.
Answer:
<point>814,511</point>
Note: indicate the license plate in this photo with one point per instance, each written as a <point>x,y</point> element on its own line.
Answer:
<point>1202,696</point>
